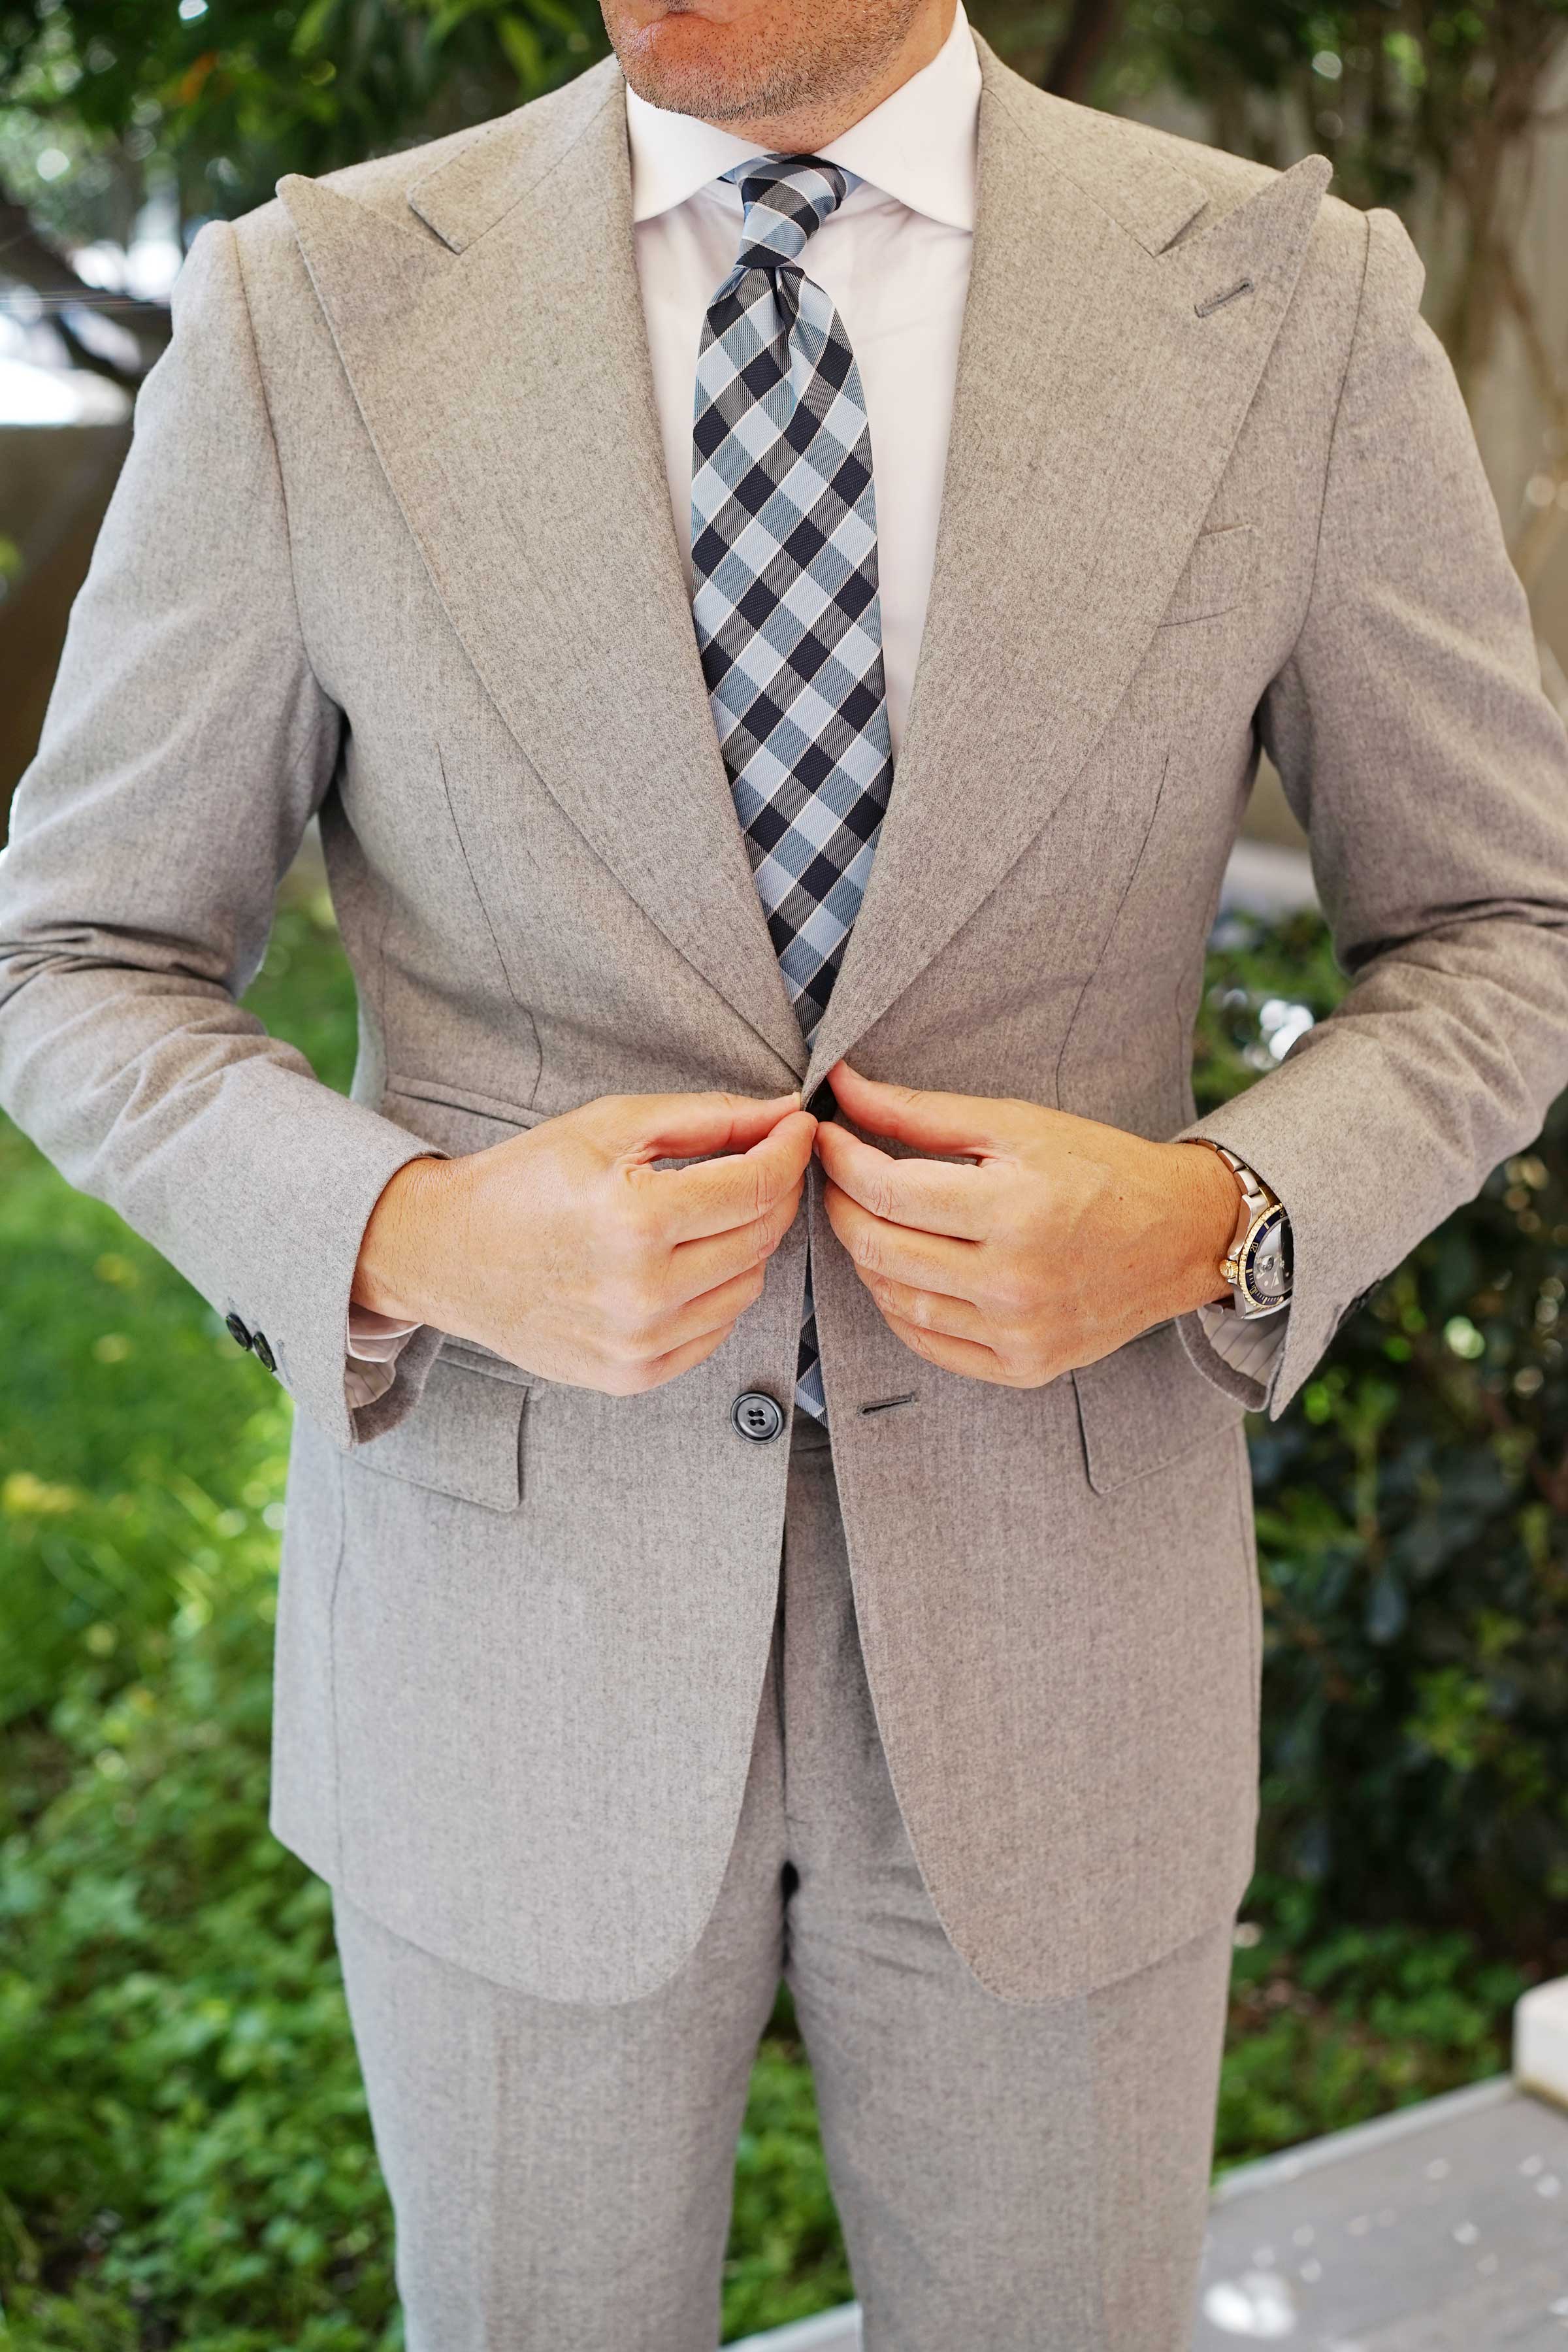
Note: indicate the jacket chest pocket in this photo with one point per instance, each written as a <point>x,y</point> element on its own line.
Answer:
<point>464,1437</point>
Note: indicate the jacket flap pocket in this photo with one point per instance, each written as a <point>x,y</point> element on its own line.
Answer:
<point>1143,1406</point>
<point>464,1437</point>
<point>469,1357</point>
<point>1218,572</point>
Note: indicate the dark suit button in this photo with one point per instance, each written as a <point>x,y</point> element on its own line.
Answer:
<point>824,1103</point>
<point>757,1416</point>
<point>264,1354</point>
<point>237,1330</point>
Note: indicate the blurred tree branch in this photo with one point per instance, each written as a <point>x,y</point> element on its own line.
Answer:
<point>30,259</point>
<point>1548,516</point>
<point>1091,26</point>
<point>217,103</point>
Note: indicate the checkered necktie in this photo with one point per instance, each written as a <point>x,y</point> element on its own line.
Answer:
<point>783,545</point>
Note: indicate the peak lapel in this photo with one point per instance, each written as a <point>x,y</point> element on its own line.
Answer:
<point>1096,403</point>
<point>504,376</point>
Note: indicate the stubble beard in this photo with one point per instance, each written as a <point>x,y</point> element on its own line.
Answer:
<point>827,51</point>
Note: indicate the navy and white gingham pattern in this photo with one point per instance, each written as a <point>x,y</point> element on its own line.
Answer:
<point>783,545</point>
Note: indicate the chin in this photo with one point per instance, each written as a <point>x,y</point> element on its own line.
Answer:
<point>685,63</point>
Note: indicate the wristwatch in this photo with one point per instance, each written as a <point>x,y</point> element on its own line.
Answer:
<point>1258,1265</point>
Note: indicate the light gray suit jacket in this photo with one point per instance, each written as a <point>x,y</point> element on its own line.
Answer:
<point>395,543</point>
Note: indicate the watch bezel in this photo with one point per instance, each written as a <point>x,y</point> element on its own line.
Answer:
<point>1246,1257</point>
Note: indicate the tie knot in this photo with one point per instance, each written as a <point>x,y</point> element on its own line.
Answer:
<point>786,200</point>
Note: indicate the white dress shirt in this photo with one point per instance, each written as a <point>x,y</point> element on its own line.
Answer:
<point>894,258</point>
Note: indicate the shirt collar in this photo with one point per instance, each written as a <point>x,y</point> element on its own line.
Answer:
<point>918,146</point>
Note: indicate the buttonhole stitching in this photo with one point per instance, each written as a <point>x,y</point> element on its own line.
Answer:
<point>1218,301</point>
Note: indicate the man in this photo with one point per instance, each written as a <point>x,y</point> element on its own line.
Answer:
<point>726,1534</point>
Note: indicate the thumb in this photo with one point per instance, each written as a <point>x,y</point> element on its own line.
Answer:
<point>685,1127</point>
<point>973,1124</point>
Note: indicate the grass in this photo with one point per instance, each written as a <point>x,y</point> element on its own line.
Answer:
<point>184,2157</point>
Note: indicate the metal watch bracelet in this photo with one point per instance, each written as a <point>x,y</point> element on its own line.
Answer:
<point>1257,1263</point>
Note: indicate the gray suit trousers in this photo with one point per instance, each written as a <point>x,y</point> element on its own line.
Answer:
<point>1027,2177</point>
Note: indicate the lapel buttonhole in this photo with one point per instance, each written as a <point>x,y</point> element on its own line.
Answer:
<point>1218,301</point>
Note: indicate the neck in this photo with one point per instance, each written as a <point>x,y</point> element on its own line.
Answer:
<point>807,129</point>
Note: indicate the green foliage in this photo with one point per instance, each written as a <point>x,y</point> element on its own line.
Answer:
<point>1393,91</point>
<point>1389,90</point>
<point>184,2156</point>
<point>1332,2025</point>
<point>184,2139</point>
<point>786,2258</point>
<point>224,97</point>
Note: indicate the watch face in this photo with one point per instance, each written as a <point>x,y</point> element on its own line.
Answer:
<point>1265,1270</point>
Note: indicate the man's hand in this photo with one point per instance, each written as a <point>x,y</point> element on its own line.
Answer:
<point>1061,1239</point>
<point>567,1252</point>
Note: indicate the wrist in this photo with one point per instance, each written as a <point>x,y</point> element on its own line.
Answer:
<point>1207,1202</point>
<point>399,1250</point>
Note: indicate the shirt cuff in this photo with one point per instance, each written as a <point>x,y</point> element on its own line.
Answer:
<point>1250,1347</point>
<point>372,1347</point>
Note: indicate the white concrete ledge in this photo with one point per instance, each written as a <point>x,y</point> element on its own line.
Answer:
<point>1356,2139</point>
<point>1266,879</point>
<point>1540,2041</point>
<point>830,2331</point>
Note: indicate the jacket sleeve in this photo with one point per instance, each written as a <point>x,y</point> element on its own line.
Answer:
<point>1430,771</point>
<point>186,744</point>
